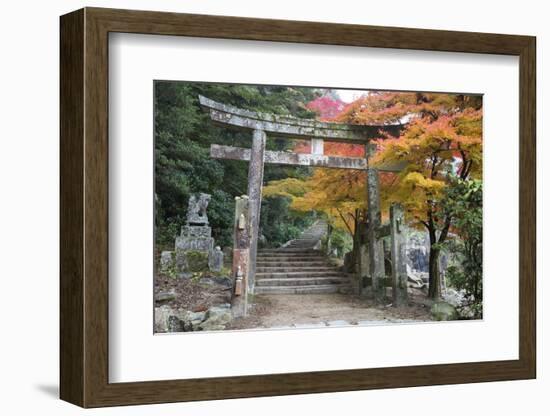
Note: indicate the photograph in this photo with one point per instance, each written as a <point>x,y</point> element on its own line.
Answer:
<point>283,207</point>
<point>295,205</point>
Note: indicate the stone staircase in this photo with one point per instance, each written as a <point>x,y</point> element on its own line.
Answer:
<point>297,268</point>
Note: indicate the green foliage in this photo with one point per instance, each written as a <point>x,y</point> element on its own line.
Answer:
<point>221,212</point>
<point>167,233</point>
<point>279,224</point>
<point>464,201</point>
<point>342,241</point>
<point>183,135</point>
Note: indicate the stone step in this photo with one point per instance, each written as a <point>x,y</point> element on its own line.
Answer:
<point>290,259</point>
<point>309,241</point>
<point>303,281</point>
<point>284,269</point>
<point>310,246</point>
<point>290,256</point>
<point>289,250</point>
<point>281,263</point>
<point>302,290</point>
<point>328,273</point>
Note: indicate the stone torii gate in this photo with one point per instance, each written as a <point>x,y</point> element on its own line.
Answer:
<point>261,124</point>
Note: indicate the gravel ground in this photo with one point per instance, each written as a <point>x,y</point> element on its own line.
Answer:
<point>273,311</point>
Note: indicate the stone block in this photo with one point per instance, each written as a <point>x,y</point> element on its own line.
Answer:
<point>165,296</point>
<point>191,261</point>
<point>194,243</point>
<point>215,259</point>
<point>202,231</point>
<point>166,261</point>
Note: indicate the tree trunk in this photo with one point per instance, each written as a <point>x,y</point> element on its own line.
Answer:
<point>434,289</point>
<point>356,242</point>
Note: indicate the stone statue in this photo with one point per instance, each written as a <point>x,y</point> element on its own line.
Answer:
<point>196,209</point>
<point>194,247</point>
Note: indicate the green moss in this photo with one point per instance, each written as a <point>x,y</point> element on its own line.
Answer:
<point>197,261</point>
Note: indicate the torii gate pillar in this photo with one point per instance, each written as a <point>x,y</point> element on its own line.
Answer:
<point>375,247</point>
<point>255,181</point>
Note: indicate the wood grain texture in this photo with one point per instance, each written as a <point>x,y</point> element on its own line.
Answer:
<point>527,208</point>
<point>84,207</point>
<point>71,203</point>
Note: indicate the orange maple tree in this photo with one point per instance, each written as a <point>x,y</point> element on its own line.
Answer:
<point>441,141</point>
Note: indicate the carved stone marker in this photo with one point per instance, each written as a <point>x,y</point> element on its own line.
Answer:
<point>215,260</point>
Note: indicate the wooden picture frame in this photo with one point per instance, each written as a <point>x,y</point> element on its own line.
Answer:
<point>84,207</point>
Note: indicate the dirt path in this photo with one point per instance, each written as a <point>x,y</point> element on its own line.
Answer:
<point>276,311</point>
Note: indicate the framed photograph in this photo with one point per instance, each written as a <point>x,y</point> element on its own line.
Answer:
<point>255,207</point>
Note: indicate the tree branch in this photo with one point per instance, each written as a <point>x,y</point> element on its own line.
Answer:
<point>345,222</point>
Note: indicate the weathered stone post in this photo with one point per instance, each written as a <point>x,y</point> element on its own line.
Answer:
<point>363,257</point>
<point>375,248</point>
<point>255,179</point>
<point>241,256</point>
<point>397,249</point>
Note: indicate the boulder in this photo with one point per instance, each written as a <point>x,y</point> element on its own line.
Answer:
<point>162,313</point>
<point>196,317</point>
<point>191,320</point>
<point>167,296</point>
<point>175,324</point>
<point>169,320</point>
<point>217,318</point>
<point>443,311</point>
